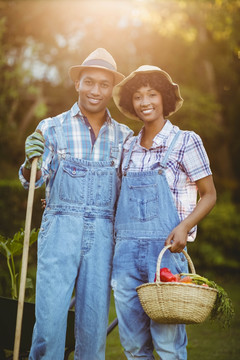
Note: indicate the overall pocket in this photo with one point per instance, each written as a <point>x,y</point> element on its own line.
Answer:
<point>73,182</point>
<point>143,202</point>
<point>101,187</point>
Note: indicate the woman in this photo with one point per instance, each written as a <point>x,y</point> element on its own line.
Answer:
<point>162,170</point>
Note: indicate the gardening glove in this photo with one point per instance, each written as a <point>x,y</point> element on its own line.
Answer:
<point>34,147</point>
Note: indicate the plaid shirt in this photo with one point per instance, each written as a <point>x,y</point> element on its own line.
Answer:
<point>81,142</point>
<point>187,163</point>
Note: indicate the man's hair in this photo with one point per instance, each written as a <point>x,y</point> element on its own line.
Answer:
<point>156,81</point>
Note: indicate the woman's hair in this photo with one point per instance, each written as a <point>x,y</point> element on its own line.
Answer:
<point>155,80</point>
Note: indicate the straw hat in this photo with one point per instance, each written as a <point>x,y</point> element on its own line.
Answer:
<point>144,69</point>
<point>100,59</point>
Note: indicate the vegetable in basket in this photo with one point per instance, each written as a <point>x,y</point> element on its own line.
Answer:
<point>222,310</point>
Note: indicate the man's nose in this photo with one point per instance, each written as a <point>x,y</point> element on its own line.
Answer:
<point>95,90</point>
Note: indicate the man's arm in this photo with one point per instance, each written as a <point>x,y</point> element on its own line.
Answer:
<point>207,193</point>
<point>26,173</point>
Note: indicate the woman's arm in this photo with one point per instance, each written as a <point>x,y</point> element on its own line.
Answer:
<point>207,193</point>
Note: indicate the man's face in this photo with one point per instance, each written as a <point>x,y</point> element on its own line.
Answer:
<point>95,90</point>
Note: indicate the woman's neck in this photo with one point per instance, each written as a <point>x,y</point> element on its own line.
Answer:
<point>149,133</point>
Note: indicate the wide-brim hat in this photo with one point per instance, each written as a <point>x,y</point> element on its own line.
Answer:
<point>145,69</point>
<point>100,59</point>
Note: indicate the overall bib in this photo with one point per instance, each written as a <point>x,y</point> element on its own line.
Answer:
<point>146,214</point>
<point>75,248</point>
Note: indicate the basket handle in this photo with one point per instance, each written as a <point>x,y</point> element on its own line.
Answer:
<point>160,259</point>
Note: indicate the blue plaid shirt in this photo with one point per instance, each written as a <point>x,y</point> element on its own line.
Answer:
<point>81,142</point>
<point>187,163</point>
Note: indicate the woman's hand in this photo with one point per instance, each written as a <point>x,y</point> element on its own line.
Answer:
<point>177,238</point>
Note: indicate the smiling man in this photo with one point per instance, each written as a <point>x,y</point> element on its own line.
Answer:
<point>79,155</point>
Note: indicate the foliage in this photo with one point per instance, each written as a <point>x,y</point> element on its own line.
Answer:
<point>11,248</point>
<point>13,203</point>
<point>218,241</point>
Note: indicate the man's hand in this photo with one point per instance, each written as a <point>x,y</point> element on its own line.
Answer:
<point>34,147</point>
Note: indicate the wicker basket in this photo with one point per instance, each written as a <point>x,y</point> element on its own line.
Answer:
<point>176,303</point>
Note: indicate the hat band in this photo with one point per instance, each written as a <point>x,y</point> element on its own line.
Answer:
<point>99,62</point>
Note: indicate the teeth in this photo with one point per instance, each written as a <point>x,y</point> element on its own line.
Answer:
<point>94,101</point>
<point>147,111</point>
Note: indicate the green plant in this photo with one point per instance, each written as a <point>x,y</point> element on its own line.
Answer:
<point>10,248</point>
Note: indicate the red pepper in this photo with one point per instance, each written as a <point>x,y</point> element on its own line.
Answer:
<point>166,275</point>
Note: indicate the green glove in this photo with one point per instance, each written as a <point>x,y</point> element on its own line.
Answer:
<point>34,147</point>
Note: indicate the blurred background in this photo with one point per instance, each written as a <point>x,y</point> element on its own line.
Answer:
<point>196,42</point>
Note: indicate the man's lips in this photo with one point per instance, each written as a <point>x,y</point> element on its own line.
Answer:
<point>94,100</point>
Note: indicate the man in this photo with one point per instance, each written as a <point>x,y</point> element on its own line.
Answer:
<point>79,154</point>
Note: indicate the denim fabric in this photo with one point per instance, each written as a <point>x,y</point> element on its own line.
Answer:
<point>75,248</point>
<point>145,216</point>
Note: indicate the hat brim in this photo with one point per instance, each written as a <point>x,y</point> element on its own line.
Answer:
<point>145,69</point>
<point>75,71</point>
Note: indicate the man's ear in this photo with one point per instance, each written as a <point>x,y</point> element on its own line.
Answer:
<point>77,85</point>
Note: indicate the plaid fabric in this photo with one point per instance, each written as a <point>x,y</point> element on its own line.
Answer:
<point>187,163</point>
<point>81,142</point>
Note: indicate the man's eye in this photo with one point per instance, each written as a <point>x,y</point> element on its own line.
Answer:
<point>105,85</point>
<point>88,82</point>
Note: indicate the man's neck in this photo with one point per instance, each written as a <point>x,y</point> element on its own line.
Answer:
<point>96,120</point>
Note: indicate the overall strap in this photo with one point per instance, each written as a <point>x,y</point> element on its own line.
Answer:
<point>164,162</point>
<point>128,156</point>
<point>61,141</point>
<point>114,150</point>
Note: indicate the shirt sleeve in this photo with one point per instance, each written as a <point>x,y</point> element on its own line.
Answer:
<point>195,159</point>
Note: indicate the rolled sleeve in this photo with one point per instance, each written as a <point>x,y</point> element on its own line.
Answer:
<point>25,183</point>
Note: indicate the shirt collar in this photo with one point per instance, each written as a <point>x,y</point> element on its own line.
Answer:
<point>162,135</point>
<point>75,110</point>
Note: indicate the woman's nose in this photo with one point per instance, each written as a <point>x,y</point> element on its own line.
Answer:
<point>145,101</point>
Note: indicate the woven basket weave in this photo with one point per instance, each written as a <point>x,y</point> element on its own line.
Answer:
<point>176,303</point>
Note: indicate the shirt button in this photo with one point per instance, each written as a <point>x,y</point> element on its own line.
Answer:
<point>89,127</point>
<point>112,163</point>
<point>160,172</point>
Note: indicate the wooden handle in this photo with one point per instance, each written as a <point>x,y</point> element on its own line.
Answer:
<point>25,259</point>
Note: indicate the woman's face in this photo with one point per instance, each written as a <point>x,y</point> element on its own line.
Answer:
<point>147,103</point>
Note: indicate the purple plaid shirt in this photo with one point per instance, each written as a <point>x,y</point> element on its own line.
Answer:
<point>187,163</point>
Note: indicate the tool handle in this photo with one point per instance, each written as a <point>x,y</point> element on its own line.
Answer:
<point>25,259</point>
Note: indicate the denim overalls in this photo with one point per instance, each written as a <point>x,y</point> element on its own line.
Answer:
<point>146,214</point>
<point>75,247</point>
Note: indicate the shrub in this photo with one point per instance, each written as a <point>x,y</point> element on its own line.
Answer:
<point>218,240</point>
